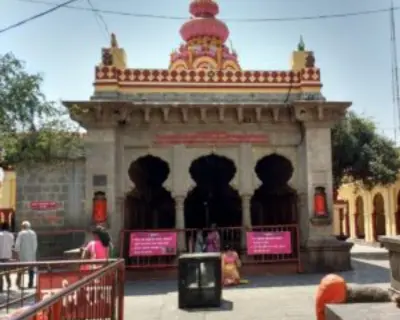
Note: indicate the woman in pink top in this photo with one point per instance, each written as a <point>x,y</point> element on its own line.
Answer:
<point>98,248</point>
<point>230,267</point>
<point>213,240</point>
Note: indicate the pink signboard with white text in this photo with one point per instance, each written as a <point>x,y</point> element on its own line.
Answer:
<point>152,244</point>
<point>269,243</point>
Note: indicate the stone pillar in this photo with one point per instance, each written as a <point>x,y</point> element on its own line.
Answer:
<point>101,149</point>
<point>246,172</point>
<point>180,221</point>
<point>180,176</point>
<point>246,218</point>
<point>388,211</point>
<point>353,231</point>
<point>322,252</point>
<point>393,206</point>
<point>368,208</point>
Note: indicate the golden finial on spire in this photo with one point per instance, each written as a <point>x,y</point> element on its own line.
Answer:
<point>114,43</point>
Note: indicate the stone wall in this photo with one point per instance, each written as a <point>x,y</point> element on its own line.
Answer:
<point>63,186</point>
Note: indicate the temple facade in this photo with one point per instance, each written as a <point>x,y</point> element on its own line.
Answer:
<point>206,141</point>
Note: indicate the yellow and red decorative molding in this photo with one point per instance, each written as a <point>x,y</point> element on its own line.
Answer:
<point>204,62</point>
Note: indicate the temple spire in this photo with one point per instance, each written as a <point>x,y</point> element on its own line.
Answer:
<point>301,45</point>
<point>114,42</point>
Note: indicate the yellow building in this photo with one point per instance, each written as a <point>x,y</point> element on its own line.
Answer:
<point>8,197</point>
<point>364,214</point>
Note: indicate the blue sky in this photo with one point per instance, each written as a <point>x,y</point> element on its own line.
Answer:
<point>353,53</point>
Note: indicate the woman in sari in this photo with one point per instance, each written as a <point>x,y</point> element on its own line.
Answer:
<point>230,267</point>
<point>213,241</point>
<point>97,249</point>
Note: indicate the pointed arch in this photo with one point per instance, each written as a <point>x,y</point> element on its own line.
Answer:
<point>378,216</point>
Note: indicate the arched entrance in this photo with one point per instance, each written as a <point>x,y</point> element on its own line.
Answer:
<point>359,218</point>
<point>213,200</point>
<point>398,214</point>
<point>378,216</point>
<point>274,202</point>
<point>149,205</point>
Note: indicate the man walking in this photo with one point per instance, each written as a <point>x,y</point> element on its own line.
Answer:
<point>26,247</point>
<point>6,246</point>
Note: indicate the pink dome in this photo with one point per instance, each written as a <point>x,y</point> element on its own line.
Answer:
<point>200,27</point>
<point>204,8</point>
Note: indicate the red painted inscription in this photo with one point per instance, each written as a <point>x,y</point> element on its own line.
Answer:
<point>212,138</point>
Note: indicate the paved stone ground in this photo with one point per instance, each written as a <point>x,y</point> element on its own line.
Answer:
<point>274,297</point>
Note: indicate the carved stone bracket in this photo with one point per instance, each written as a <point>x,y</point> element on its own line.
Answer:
<point>275,114</point>
<point>258,111</point>
<point>165,111</point>
<point>147,113</point>
<point>203,114</point>
<point>221,114</point>
<point>239,112</point>
<point>185,114</point>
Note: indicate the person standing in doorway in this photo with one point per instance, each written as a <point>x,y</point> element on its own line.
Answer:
<point>213,241</point>
<point>26,248</point>
<point>199,243</point>
<point>6,247</point>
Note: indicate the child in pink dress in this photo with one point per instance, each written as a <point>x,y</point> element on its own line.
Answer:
<point>98,248</point>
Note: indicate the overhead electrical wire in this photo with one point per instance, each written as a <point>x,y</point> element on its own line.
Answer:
<point>39,15</point>
<point>99,19</point>
<point>246,20</point>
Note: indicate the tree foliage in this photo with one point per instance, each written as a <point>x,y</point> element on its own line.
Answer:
<point>362,155</point>
<point>32,129</point>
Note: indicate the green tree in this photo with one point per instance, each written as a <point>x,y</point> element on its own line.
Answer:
<point>360,154</point>
<point>32,129</point>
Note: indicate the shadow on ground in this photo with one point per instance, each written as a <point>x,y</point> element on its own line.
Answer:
<point>363,274</point>
<point>226,305</point>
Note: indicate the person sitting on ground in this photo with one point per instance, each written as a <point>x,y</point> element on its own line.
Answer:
<point>97,249</point>
<point>333,289</point>
<point>230,267</point>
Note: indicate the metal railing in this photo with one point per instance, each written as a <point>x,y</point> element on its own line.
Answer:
<point>235,237</point>
<point>63,288</point>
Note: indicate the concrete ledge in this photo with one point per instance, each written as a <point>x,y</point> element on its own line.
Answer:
<point>361,311</point>
<point>321,221</point>
<point>326,255</point>
<point>392,244</point>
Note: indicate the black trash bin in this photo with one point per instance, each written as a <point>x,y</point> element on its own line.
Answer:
<point>199,280</point>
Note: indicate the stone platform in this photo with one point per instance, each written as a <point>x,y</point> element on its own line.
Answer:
<point>358,311</point>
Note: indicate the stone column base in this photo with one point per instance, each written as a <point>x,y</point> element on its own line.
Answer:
<point>326,254</point>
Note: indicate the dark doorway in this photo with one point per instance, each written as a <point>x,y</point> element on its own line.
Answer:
<point>149,205</point>
<point>359,218</point>
<point>378,216</point>
<point>212,200</point>
<point>274,202</point>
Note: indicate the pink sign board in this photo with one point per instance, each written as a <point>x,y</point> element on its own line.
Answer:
<point>269,243</point>
<point>44,205</point>
<point>152,244</point>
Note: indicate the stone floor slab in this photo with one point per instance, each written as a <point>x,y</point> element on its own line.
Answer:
<point>275,297</point>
